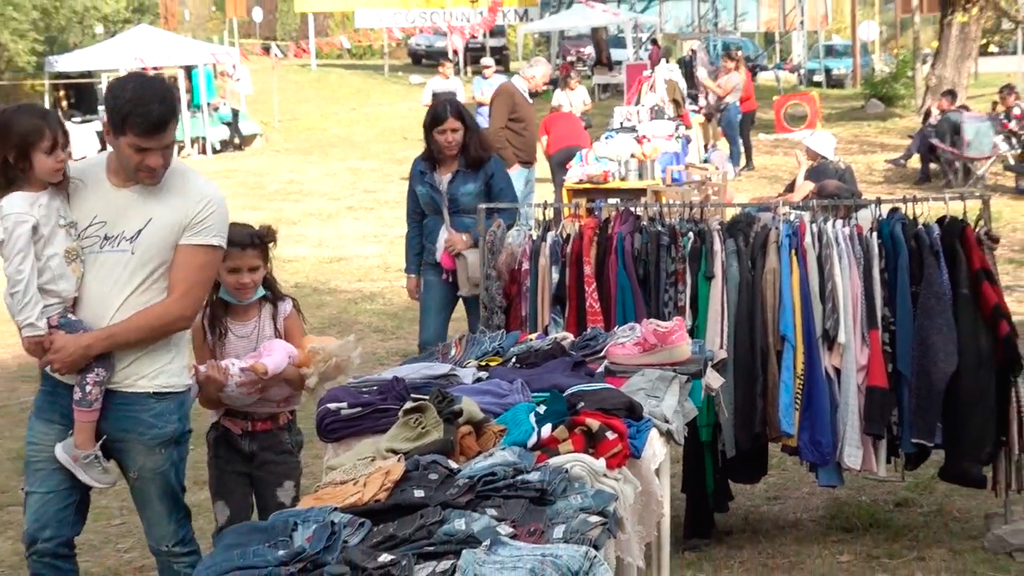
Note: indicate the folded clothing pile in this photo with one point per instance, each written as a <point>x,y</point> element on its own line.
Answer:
<point>293,541</point>
<point>347,411</point>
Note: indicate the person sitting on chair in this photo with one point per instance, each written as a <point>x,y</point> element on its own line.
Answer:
<point>1012,118</point>
<point>947,132</point>
<point>932,114</point>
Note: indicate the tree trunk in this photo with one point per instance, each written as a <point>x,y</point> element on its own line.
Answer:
<point>602,55</point>
<point>599,38</point>
<point>960,28</point>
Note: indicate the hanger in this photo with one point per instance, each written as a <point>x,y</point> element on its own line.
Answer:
<point>963,201</point>
<point>945,197</point>
<point>928,212</point>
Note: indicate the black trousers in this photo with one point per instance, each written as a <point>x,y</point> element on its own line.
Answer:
<point>557,161</point>
<point>746,125</point>
<point>235,130</point>
<point>261,467</point>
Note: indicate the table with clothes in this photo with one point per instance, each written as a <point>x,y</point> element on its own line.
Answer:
<point>497,451</point>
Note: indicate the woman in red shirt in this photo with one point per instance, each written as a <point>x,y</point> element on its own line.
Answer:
<point>748,108</point>
<point>561,135</point>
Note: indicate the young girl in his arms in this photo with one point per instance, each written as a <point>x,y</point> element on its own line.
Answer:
<point>43,265</point>
<point>254,446</point>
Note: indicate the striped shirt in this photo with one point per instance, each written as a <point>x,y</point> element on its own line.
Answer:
<point>243,338</point>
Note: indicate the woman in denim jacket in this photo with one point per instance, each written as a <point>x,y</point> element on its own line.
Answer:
<point>458,167</point>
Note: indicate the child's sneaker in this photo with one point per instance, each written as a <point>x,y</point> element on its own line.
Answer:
<point>654,344</point>
<point>89,467</point>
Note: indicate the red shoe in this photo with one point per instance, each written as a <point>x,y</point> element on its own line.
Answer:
<point>655,344</point>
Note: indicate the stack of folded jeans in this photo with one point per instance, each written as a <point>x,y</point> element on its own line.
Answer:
<point>591,344</point>
<point>429,481</point>
<point>294,541</point>
<point>348,412</point>
<point>504,556</point>
<point>581,515</point>
<point>466,349</point>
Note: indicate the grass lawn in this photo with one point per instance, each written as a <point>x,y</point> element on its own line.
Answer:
<point>332,179</point>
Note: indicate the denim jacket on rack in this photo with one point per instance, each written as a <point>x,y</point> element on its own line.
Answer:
<point>424,214</point>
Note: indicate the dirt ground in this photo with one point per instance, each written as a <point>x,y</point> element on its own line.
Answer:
<point>332,178</point>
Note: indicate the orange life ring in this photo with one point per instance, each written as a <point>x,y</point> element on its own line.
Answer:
<point>807,100</point>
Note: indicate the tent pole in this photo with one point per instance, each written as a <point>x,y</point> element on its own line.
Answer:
<point>205,110</point>
<point>275,89</point>
<point>186,118</point>
<point>234,26</point>
<point>310,25</point>
<point>46,89</point>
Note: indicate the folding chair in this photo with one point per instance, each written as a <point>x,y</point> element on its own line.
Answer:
<point>967,155</point>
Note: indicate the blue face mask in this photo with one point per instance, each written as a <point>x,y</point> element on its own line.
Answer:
<point>225,296</point>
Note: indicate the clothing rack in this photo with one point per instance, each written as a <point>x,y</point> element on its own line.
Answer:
<point>948,198</point>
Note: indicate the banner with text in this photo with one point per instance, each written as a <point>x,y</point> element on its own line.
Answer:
<point>352,5</point>
<point>425,18</point>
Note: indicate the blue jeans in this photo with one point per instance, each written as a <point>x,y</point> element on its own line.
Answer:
<point>729,122</point>
<point>498,465</point>
<point>148,436</point>
<point>525,182</point>
<point>291,541</point>
<point>438,297</point>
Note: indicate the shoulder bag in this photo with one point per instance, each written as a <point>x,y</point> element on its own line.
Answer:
<point>467,262</point>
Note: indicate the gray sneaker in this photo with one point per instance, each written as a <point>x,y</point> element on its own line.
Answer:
<point>89,467</point>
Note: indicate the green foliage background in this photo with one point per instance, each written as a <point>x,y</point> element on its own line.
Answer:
<point>33,29</point>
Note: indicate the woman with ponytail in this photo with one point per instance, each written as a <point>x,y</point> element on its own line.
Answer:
<point>253,449</point>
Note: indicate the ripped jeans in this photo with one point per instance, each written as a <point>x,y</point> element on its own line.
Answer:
<point>262,467</point>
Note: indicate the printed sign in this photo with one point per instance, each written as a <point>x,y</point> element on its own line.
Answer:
<point>352,5</point>
<point>377,19</point>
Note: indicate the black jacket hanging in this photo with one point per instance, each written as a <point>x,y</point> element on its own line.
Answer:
<point>969,406</point>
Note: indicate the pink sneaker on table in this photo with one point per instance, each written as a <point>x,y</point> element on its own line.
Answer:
<point>657,344</point>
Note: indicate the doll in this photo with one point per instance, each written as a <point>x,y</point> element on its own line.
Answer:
<point>321,360</point>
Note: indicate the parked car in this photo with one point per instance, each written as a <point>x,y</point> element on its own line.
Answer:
<point>755,56</point>
<point>432,46</point>
<point>835,70</point>
<point>619,53</point>
<point>579,49</point>
<point>581,46</point>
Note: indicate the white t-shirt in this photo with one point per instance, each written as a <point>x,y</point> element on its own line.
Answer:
<point>437,85</point>
<point>42,263</point>
<point>575,100</point>
<point>128,238</point>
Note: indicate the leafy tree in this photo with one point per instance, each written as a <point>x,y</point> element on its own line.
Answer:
<point>960,28</point>
<point>19,36</point>
<point>34,29</point>
<point>287,21</point>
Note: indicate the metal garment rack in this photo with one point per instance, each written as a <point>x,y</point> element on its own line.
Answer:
<point>949,199</point>
<point>701,209</point>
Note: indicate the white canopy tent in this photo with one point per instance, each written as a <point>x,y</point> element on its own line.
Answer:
<point>145,46</point>
<point>586,15</point>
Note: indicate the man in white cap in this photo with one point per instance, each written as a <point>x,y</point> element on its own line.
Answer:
<point>820,173</point>
<point>483,87</point>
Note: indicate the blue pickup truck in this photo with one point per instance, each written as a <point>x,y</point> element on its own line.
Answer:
<point>835,70</point>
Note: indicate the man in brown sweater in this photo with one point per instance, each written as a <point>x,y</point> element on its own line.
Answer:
<point>513,129</point>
